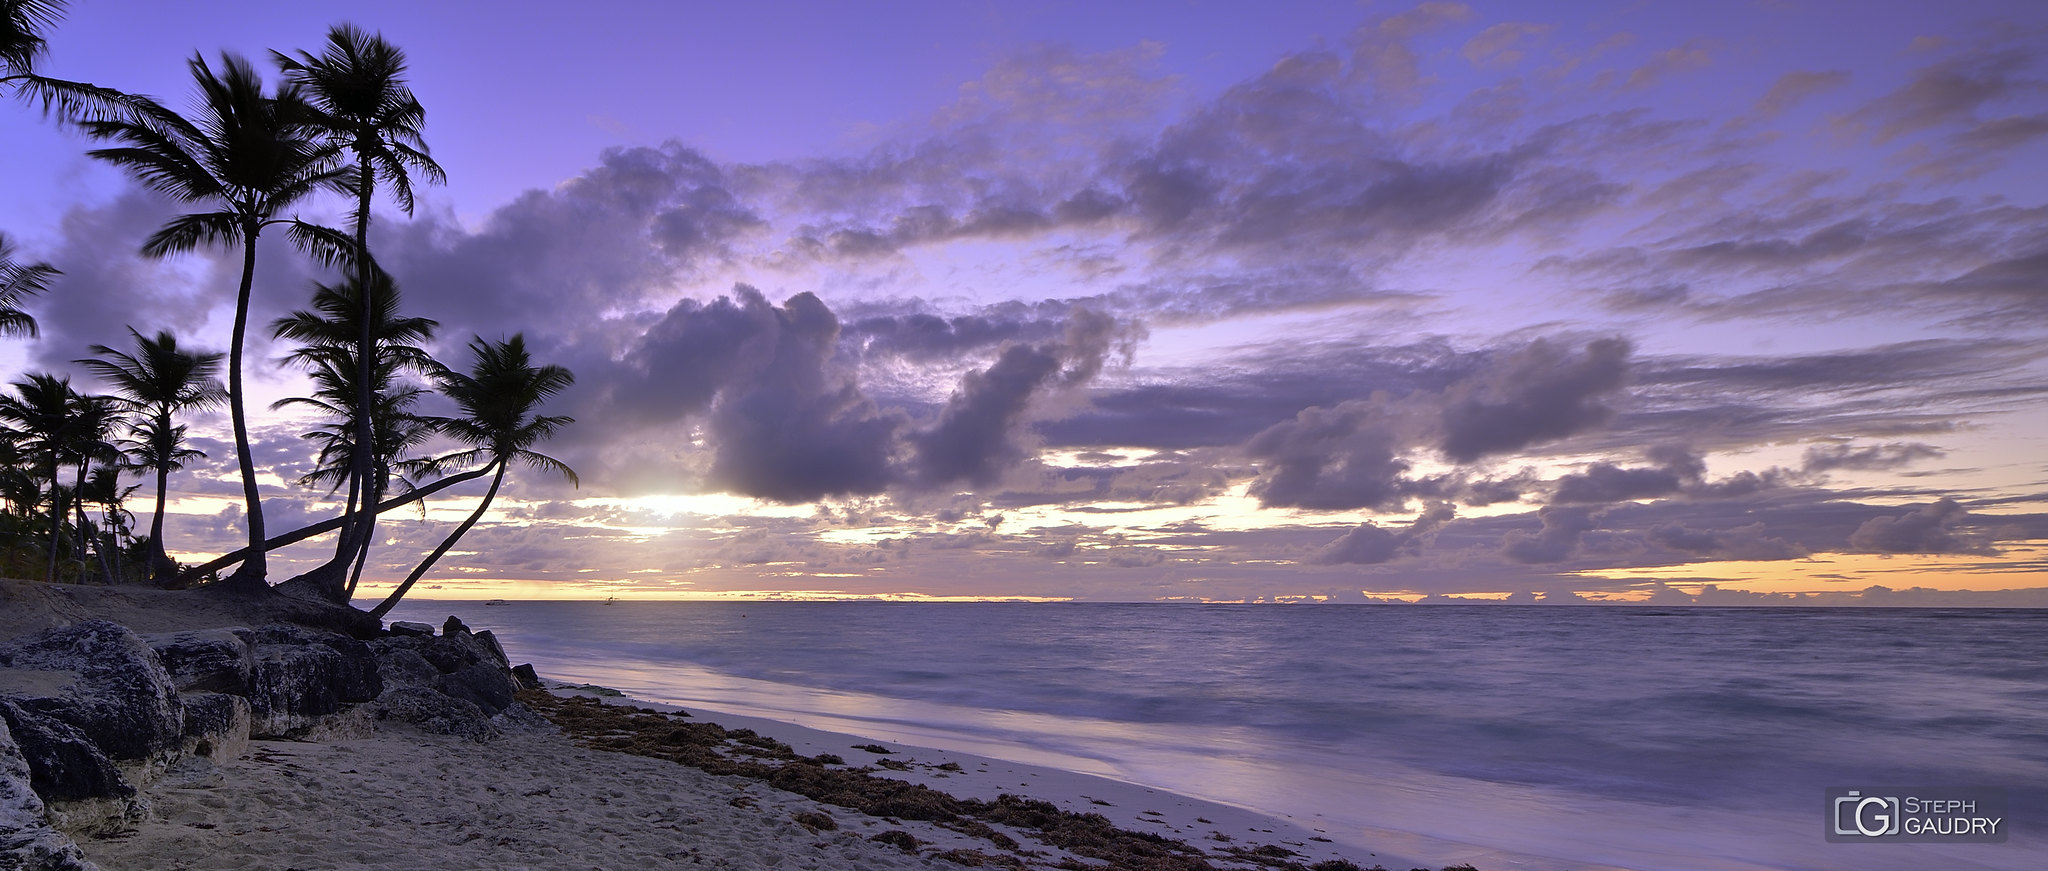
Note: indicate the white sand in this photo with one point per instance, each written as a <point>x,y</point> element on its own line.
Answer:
<point>410,801</point>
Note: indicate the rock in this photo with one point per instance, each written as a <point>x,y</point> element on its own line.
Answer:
<point>524,675</point>
<point>216,725</point>
<point>408,627</point>
<point>435,712</point>
<point>483,684</point>
<point>63,762</point>
<point>27,840</point>
<point>453,625</point>
<point>207,660</point>
<point>302,675</point>
<point>400,664</point>
<point>453,653</point>
<point>122,700</point>
<point>519,718</point>
<point>491,645</point>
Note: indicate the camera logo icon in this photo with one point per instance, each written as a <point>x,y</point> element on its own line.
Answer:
<point>1870,816</point>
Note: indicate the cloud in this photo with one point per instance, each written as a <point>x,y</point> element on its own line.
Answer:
<point>1823,458</point>
<point>1537,393</point>
<point>1929,529</point>
<point>1694,54</point>
<point>1607,483</point>
<point>1371,544</point>
<point>1795,87</point>
<point>1944,93</point>
<point>1740,543</point>
<point>1563,526</point>
<point>793,431</point>
<point>1499,45</point>
<point>1383,56</point>
<point>1340,458</point>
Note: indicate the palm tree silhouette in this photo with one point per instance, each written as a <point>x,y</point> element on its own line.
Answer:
<point>253,156</point>
<point>159,381</point>
<point>498,397</point>
<point>57,424</point>
<point>19,281</point>
<point>22,44</point>
<point>357,89</point>
<point>329,350</point>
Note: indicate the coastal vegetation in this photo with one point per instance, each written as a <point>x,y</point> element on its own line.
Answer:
<point>244,158</point>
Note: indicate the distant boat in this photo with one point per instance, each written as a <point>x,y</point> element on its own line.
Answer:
<point>497,602</point>
<point>612,600</point>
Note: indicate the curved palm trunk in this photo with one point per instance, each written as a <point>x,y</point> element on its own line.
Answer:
<point>329,525</point>
<point>392,600</point>
<point>161,569</point>
<point>333,578</point>
<point>250,577</point>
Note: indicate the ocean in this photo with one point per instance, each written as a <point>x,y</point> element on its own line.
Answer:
<point>1637,737</point>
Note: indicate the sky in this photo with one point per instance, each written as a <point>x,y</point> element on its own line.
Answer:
<point>1733,303</point>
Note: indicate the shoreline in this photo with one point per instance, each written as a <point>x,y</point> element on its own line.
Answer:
<point>1134,807</point>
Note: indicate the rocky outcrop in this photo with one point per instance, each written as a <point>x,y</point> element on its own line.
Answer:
<point>302,676</point>
<point>122,700</point>
<point>27,840</point>
<point>90,711</point>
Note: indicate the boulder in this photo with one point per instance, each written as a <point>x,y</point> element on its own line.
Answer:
<point>302,675</point>
<point>483,684</point>
<point>207,660</point>
<point>122,698</point>
<point>408,627</point>
<point>527,679</point>
<point>27,840</point>
<point>400,664</point>
<point>63,762</point>
<point>491,646</point>
<point>216,725</point>
<point>454,625</point>
<point>433,711</point>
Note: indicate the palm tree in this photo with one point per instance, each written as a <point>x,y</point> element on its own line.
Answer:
<point>19,281</point>
<point>22,44</point>
<point>159,381</point>
<point>57,424</point>
<point>329,349</point>
<point>41,408</point>
<point>358,90</point>
<point>253,156</point>
<point>498,399</point>
<point>89,443</point>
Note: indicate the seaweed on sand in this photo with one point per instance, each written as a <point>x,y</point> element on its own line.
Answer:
<point>740,752</point>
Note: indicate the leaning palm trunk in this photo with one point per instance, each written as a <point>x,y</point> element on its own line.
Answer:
<point>161,569</point>
<point>329,525</point>
<point>250,577</point>
<point>392,600</point>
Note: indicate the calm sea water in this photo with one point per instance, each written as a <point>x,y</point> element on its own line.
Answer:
<point>1636,737</point>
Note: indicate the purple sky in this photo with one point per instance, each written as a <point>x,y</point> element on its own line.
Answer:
<point>1178,300</point>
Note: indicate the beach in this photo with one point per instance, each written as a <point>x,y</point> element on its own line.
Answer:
<point>541,799</point>
<point>374,785</point>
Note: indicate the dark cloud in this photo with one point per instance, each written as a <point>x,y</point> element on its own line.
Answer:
<point>1371,544</point>
<point>1607,483</point>
<point>1339,458</point>
<point>1740,543</point>
<point>567,257</point>
<point>1822,458</point>
<point>976,437</point>
<point>1929,529</point>
<point>793,431</point>
<point>1557,541</point>
<point>1538,393</point>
